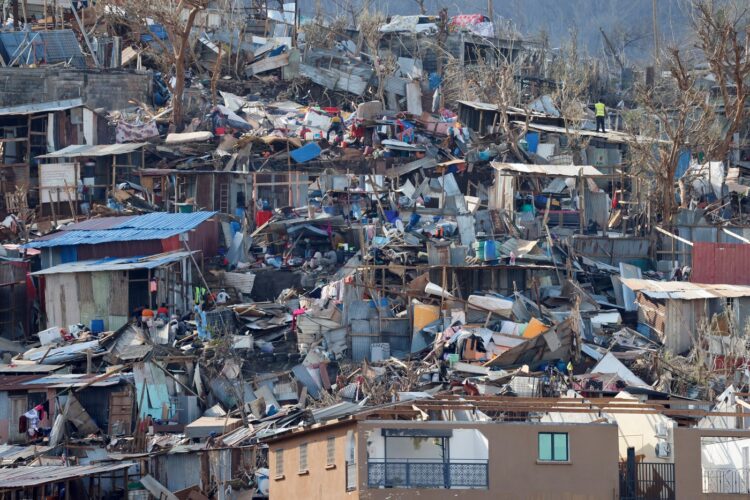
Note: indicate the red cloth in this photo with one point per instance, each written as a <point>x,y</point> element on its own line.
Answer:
<point>262,216</point>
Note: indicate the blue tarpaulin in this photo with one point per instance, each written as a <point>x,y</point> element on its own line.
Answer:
<point>306,153</point>
<point>154,30</point>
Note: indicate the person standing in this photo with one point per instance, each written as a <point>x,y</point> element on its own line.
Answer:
<point>601,114</point>
<point>337,127</point>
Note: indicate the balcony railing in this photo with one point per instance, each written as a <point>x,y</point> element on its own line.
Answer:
<point>726,480</point>
<point>403,473</point>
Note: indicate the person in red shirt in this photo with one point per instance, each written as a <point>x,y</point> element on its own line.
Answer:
<point>162,310</point>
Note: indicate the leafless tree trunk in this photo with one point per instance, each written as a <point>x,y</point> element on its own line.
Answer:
<point>722,33</point>
<point>178,18</point>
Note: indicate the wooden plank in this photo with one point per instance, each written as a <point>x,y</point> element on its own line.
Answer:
<point>156,488</point>
<point>120,413</point>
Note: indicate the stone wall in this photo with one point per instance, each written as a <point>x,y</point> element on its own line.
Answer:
<point>109,89</point>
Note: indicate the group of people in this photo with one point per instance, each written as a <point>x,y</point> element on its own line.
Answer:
<point>144,314</point>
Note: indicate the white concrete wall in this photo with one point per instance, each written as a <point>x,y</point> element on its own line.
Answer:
<point>639,431</point>
<point>465,444</point>
<point>725,453</point>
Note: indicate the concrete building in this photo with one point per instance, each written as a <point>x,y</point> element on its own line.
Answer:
<point>93,87</point>
<point>373,459</point>
<point>450,448</point>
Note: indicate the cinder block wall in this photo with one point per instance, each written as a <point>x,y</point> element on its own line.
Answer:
<point>110,89</point>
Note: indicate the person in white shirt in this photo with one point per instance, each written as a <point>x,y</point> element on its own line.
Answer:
<point>222,297</point>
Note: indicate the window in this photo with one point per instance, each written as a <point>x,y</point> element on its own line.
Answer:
<point>553,446</point>
<point>331,451</point>
<point>303,457</point>
<point>279,463</point>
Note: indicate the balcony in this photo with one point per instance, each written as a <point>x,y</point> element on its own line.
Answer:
<point>726,480</point>
<point>455,474</point>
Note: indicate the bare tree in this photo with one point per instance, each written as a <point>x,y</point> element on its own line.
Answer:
<point>573,76</point>
<point>177,17</point>
<point>672,116</point>
<point>422,6</point>
<point>723,34</point>
<point>679,113</point>
<point>369,30</point>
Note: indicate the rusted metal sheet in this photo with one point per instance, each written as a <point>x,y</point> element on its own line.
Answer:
<point>724,263</point>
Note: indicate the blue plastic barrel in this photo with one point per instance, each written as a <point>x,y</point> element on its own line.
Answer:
<point>97,325</point>
<point>489,250</point>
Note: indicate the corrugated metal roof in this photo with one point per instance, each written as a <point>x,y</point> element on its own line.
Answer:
<point>153,226</point>
<point>29,368</point>
<point>23,477</point>
<point>42,107</point>
<point>65,380</point>
<point>167,220</point>
<point>552,170</point>
<point>10,454</point>
<point>115,264</point>
<point>15,382</point>
<point>62,354</point>
<point>98,223</point>
<point>481,106</point>
<point>80,150</point>
<point>683,290</point>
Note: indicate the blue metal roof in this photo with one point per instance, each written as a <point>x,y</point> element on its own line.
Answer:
<point>153,226</point>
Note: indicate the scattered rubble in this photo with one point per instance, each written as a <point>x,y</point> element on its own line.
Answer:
<point>325,236</point>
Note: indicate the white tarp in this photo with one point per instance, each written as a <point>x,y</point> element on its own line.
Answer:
<point>609,364</point>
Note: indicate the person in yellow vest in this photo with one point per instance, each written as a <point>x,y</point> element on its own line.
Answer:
<point>601,113</point>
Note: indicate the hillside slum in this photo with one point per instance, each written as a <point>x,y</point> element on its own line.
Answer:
<point>323,242</point>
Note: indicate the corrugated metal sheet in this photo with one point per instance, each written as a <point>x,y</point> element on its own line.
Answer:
<point>241,281</point>
<point>98,223</point>
<point>122,264</point>
<point>43,107</point>
<point>81,150</point>
<point>182,470</point>
<point>361,348</point>
<point>682,290</point>
<point>727,263</point>
<point>612,250</point>
<point>153,226</point>
<point>23,477</point>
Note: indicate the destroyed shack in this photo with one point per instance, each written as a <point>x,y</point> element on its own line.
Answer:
<point>81,291</point>
<point>675,312</point>
<point>75,177</point>
<point>31,130</point>
<point>130,236</point>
